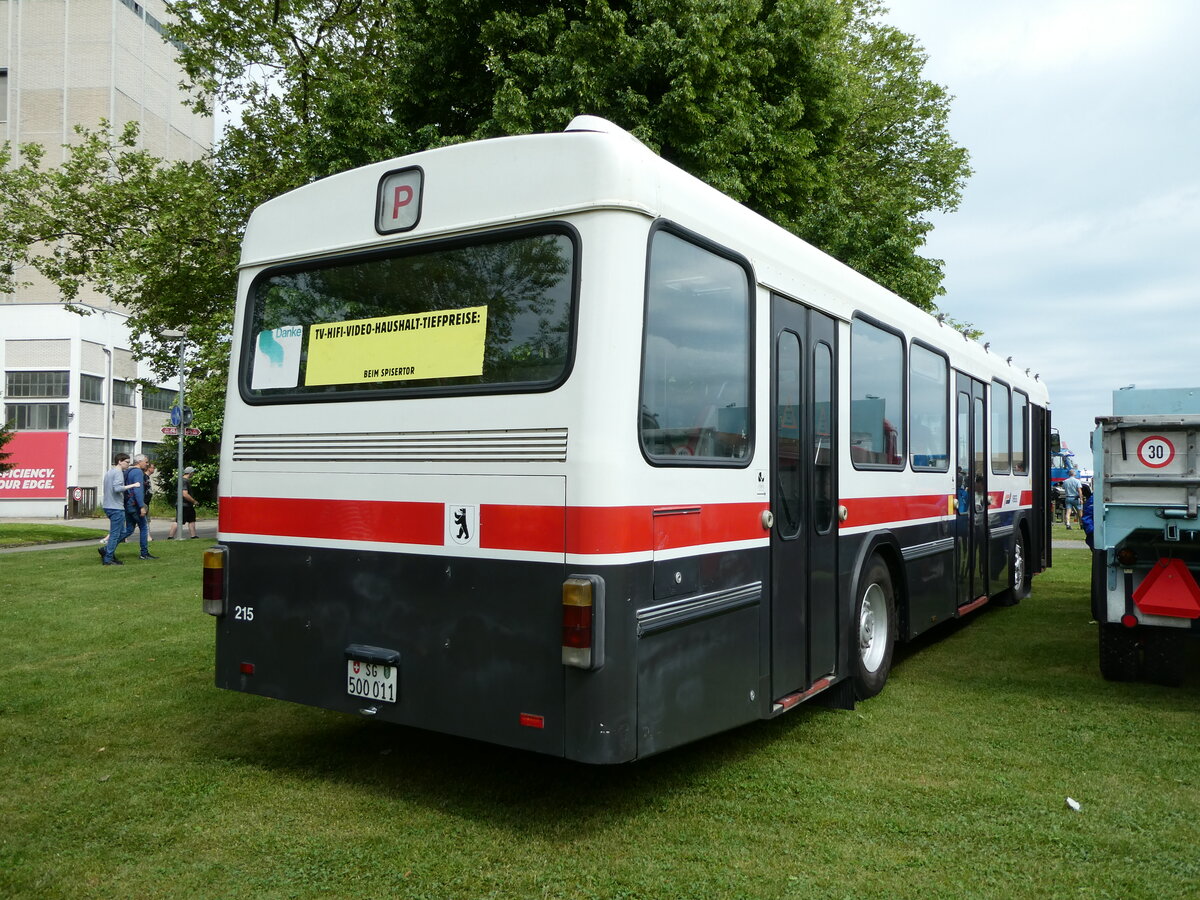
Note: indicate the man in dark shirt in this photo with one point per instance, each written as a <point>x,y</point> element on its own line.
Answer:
<point>136,504</point>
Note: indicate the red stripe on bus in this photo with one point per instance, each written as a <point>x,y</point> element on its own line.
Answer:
<point>879,510</point>
<point>583,530</point>
<point>545,529</point>
<point>346,520</point>
<point>632,529</point>
<point>531,528</point>
<point>591,530</point>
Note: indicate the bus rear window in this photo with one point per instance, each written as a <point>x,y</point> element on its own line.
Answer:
<point>490,315</point>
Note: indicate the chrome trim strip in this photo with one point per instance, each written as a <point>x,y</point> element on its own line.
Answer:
<point>674,613</point>
<point>919,551</point>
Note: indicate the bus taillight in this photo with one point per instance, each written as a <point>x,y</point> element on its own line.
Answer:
<point>583,622</point>
<point>214,581</point>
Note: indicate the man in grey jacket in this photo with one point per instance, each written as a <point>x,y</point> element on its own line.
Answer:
<point>113,501</point>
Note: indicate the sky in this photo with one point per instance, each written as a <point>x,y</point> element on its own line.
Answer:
<point>1076,247</point>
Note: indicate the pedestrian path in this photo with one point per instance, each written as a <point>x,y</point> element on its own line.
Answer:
<point>206,529</point>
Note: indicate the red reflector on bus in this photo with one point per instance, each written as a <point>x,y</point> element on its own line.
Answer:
<point>577,626</point>
<point>1129,620</point>
<point>247,668</point>
<point>214,584</point>
<point>214,581</point>
<point>529,720</point>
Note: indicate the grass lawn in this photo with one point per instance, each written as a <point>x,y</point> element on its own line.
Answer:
<point>1061,532</point>
<point>13,534</point>
<point>125,773</point>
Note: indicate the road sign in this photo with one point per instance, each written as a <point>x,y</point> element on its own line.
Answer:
<point>187,432</point>
<point>176,416</point>
<point>170,429</point>
<point>1156,451</point>
<point>192,432</point>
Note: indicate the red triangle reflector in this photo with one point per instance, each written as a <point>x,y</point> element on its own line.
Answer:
<point>1169,590</point>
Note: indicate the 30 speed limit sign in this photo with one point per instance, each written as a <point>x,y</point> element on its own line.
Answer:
<point>1155,451</point>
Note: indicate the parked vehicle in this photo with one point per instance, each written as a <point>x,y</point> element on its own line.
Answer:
<point>1145,594</point>
<point>542,441</point>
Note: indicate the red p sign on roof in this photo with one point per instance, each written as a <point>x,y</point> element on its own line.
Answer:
<point>398,202</point>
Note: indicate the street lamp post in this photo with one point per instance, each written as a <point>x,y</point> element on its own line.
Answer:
<point>179,335</point>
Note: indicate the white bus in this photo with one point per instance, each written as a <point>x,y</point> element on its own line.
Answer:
<point>544,442</point>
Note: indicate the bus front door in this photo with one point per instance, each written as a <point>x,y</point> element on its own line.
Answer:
<point>971,500</point>
<point>803,486</point>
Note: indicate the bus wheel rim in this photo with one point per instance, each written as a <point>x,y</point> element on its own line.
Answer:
<point>872,628</point>
<point>1018,564</point>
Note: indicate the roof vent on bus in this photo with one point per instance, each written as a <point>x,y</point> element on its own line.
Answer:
<point>599,126</point>
<point>594,123</point>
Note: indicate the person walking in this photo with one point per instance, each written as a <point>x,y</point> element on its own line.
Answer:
<point>1072,488</point>
<point>189,507</point>
<point>136,504</point>
<point>149,488</point>
<point>113,502</point>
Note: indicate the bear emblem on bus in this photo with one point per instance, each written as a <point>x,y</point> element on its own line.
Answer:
<point>462,524</point>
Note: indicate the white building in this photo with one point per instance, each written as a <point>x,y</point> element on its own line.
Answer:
<point>65,379</point>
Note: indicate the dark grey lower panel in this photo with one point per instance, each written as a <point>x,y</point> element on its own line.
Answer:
<point>478,645</point>
<point>478,642</point>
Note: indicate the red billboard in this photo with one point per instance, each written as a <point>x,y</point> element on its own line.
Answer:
<point>39,466</point>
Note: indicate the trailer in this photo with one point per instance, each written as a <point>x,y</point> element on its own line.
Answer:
<point>1146,558</point>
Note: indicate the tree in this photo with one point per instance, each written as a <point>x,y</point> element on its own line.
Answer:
<point>154,236</point>
<point>811,112</point>
<point>6,435</point>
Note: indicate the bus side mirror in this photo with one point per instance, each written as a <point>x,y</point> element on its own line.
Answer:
<point>1055,442</point>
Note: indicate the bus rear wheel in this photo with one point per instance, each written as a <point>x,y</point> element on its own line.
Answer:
<point>1020,580</point>
<point>874,632</point>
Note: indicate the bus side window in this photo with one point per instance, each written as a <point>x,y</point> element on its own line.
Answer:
<point>696,355</point>
<point>876,396</point>
<point>929,417</point>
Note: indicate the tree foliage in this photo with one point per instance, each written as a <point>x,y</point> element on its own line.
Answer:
<point>6,435</point>
<point>812,112</point>
<point>149,234</point>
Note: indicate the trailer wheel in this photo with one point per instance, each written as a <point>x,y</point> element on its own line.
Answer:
<point>1166,656</point>
<point>875,629</point>
<point>1119,654</point>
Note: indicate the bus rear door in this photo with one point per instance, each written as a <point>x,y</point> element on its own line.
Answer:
<point>971,520</point>
<point>804,620</point>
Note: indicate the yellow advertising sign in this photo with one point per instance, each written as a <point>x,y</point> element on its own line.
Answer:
<point>444,344</point>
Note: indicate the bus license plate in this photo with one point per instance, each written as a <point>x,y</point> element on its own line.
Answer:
<point>371,680</point>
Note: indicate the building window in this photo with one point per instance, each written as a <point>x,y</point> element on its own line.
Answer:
<point>876,396</point>
<point>3,94</point>
<point>158,398</point>
<point>121,447</point>
<point>124,393</point>
<point>91,388</point>
<point>37,416</point>
<point>696,355</point>
<point>37,384</point>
